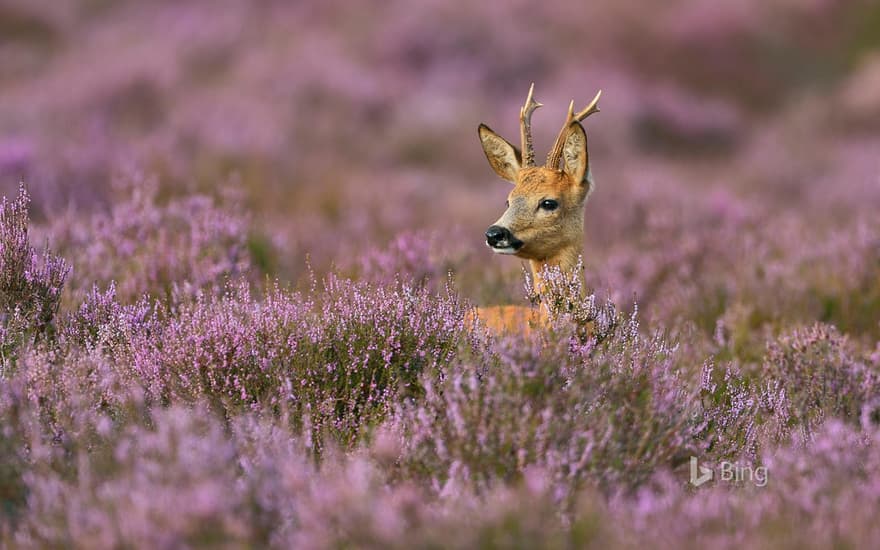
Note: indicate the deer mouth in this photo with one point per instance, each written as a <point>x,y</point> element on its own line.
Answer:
<point>506,246</point>
<point>501,240</point>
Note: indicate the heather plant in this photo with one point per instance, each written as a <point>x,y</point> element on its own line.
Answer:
<point>351,505</point>
<point>417,256</point>
<point>146,246</point>
<point>124,493</point>
<point>823,375</point>
<point>14,462</point>
<point>689,267</point>
<point>101,322</point>
<point>30,283</point>
<point>842,282</point>
<point>806,376</point>
<point>336,363</point>
<point>251,484</point>
<point>254,485</point>
<point>832,281</point>
<point>742,414</point>
<point>606,411</point>
<point>564,296</point>
<point>815,496</point>
<point>53,407</point>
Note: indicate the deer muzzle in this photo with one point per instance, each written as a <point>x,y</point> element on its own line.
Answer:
<point>501,240</point>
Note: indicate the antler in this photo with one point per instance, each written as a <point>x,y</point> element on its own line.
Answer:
<point>556,152</point>
<point>525,127</point>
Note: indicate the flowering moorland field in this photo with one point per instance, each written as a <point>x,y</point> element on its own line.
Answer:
<point>241,241</point>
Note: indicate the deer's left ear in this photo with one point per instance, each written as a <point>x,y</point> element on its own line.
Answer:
<point>575,160</point>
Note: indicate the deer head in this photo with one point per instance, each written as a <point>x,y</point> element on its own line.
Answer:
<point>544,219</point>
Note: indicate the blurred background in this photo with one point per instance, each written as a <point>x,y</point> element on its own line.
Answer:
<point>736,151</point>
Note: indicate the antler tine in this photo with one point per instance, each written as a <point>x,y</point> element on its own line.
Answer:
<point>556,151</point>
<point>593,107</point>
<point>525,127</point>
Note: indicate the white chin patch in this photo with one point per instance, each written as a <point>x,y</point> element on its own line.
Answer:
<point>508,250</point>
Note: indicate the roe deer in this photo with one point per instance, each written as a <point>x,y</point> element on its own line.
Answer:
<point>544,220</point>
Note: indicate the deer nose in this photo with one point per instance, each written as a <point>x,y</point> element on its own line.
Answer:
<point>496,235</point>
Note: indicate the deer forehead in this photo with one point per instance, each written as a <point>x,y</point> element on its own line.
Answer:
<point>540,181</point>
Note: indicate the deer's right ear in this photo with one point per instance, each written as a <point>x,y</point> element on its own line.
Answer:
<point>503,157</point>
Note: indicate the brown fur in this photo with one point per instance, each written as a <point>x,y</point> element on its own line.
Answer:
<point>550,237</point>
<point>510,319</point>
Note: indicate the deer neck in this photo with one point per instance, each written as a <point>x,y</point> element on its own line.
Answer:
<point>566,260</point>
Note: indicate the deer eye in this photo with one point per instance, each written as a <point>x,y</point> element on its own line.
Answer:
<point>549,204</point>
